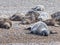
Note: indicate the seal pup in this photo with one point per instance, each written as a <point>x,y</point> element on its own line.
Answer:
<point>44,16</point>
<point>5,23</point>
<point>56,17</point>
<point>40,28</point>
<point>38,8</point>
<point>32,15</point>
<point>17,17</point>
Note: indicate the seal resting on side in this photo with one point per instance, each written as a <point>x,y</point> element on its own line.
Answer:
<point>40,28</point>
<point>5,23</point>
<point>56,17</point>
<point>17,17</point>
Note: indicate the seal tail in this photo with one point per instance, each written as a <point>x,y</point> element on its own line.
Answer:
<point>53,32</point>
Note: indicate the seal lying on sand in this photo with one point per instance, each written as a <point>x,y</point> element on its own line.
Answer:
<point>44,16</point>
<point>48,19</point>
<point>32,15</point>
<point>39,8</point>
<point>56,17</point>
<point>17,17</point>
<point>5,23</point>
<point>40,28</point>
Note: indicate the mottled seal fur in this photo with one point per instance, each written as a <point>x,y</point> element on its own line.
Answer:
<point>5,23</point>
<point>39,8</point>
<point>40,28</point>
<point>17,17</point>
<point>56,17</point>
<point>31,16</point>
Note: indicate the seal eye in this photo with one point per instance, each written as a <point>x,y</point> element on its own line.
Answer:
<point>44,33</point>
